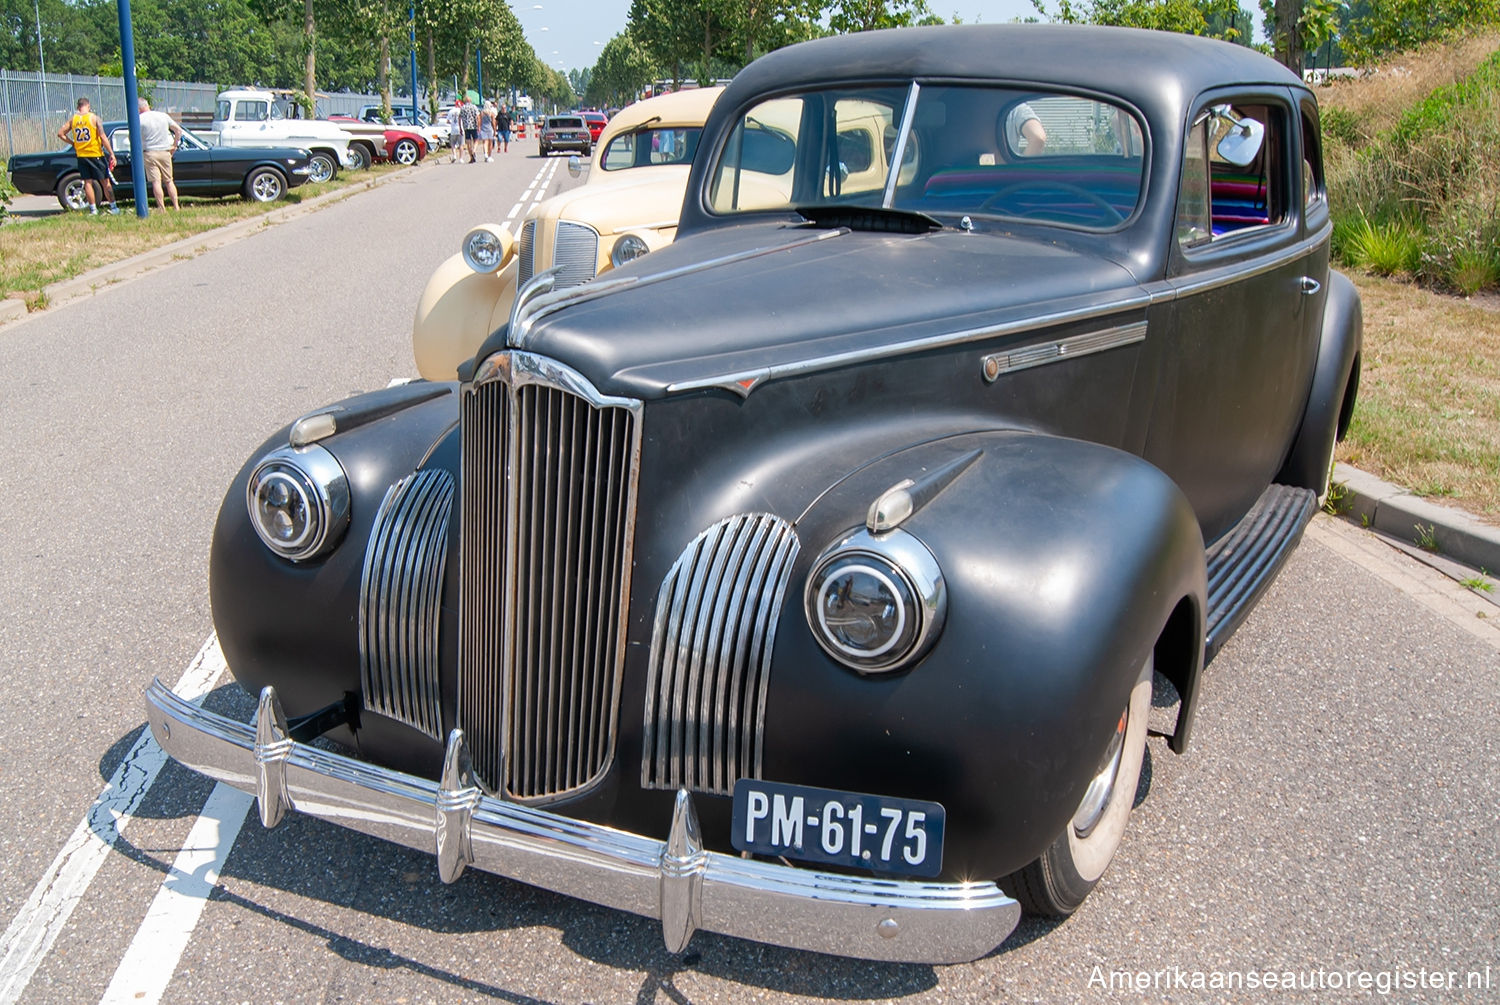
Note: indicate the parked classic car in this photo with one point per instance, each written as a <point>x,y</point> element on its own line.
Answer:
<point>627,208</point>
<point>596,122</point>
<point>374,142</point>
<point>250,117</point>
<point>262,174</point>
<point>564,132</point>
<point>809,580</point>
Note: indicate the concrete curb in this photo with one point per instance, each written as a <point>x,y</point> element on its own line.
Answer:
<point>189,247</point>
<point>1399,513</point>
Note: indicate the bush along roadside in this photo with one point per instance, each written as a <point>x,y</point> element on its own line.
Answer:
<point>1422,199</point>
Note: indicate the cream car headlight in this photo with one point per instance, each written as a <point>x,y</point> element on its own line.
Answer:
<point>876,603</point>
<point>487,248</point>
<point>298,499</point>
<point>628,249</point>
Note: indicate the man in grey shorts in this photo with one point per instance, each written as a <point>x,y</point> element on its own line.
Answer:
<point>160,136</point>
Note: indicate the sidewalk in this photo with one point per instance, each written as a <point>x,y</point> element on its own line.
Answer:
<point>1440,535</point>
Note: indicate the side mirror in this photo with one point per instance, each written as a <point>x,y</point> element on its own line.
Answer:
<point>575,166</point>
<point>1241,144</point>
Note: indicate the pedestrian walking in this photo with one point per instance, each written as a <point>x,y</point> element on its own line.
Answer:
<point>487,130</point>
<point>96,158</point>
<point>455,132</point>
<point>469,115</point>
<point>502,128</point>
<point>160,136</point>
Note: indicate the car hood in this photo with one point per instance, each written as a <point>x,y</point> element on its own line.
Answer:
<point>649,197</point>
<point>728,307</point>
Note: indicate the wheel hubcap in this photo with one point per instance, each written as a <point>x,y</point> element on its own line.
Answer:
<point>1096,798</point>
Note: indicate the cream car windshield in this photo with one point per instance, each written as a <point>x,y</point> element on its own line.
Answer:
<point>981,152</point>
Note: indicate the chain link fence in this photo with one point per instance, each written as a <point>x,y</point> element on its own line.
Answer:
<point>35,106</point>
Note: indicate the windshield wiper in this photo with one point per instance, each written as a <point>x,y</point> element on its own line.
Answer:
<point>871,218</point>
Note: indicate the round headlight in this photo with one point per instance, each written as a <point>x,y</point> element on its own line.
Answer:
<point>874,602</point>
<point>299,501</point>
<point>628,249</point>
<point>485,248</point>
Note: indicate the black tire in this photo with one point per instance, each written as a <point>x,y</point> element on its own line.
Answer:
<point>405,152</point>
<point>265,184</point>
<point>362,156</point>
<point>542,150</point>
<point>70,191</point>
<point>1058,881</point>
<point>325,166</point>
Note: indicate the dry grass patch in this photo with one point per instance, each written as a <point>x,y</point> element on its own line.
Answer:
<point>36,253</point>
<point>1428,416</point>
<point>1376,102</point>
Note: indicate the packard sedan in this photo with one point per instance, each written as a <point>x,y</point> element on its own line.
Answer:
<point>810,580</point>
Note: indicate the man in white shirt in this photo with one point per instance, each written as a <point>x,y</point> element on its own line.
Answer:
<point>160,136</point>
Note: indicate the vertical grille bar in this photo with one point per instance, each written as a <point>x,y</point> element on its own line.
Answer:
<point>400,595</point>
<point>542,612</point>
<point>526,253</point>
<point>575,253</point>
<point>711,645</point>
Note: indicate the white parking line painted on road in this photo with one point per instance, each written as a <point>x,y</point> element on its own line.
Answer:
<point>42,918</point>
<point>537,188</point>
<point>153,955</point>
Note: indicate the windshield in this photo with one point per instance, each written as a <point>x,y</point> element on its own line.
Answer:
<point>645,147</point>
<point>981,152</point>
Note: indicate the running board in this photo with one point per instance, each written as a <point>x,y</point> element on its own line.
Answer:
<point>1242,563</point>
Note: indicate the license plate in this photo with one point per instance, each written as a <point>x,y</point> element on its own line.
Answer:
<point>880,833</point>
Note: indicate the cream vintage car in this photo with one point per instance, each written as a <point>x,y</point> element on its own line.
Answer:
<point>626,208</point>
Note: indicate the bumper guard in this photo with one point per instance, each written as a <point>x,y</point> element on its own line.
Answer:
<point>676,881</point>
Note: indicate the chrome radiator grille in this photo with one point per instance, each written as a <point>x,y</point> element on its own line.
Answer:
<point>400,594</point>
<point>526,253</point>
<point>711,655</point>
<point>549,473</point>
<point>576,254</point>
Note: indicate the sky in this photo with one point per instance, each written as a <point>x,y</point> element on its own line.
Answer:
<point>567,34</point>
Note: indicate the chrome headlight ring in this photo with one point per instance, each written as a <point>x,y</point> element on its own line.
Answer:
<point>876,602</point>
<point>485,248</point>
<point>298,498</point>
<point>627,249</point>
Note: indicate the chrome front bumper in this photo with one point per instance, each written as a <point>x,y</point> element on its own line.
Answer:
<point>676,881</point>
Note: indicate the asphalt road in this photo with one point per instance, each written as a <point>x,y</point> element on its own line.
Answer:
<point>1336,815</point>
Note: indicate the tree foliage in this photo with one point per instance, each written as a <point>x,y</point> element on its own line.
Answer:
<point>1213,18</point>
<point>1377,27</point>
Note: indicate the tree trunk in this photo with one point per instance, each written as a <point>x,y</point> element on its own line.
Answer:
<point>432,90</point>
<point>468,65</point>
<point>383,70</point>
<point>1287,37</point>
<point>310,68</point>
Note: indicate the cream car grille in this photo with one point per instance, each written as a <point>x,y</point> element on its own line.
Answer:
<point>549,476</point>
<point>711,645</point>
<point>576,254</point>
<point>400,595</point>
<point>526,253</point>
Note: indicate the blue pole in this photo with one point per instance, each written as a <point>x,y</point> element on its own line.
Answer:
<point>416,109</point>
<point>133,112</point>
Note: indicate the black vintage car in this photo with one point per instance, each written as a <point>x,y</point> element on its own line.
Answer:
<point>262,174</point>
<point>809,580</point>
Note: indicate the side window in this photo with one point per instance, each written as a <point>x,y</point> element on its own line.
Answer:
<point>250,111</point>
<point>1249,185</point>
<point>620,153</point>
<point>1314,194</point>
<point>120,140</point>
<point>1193,225</point>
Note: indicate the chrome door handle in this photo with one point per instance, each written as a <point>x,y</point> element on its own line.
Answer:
<point>1309,285</point>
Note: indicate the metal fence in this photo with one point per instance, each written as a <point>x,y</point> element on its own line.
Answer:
<point>35,107</point>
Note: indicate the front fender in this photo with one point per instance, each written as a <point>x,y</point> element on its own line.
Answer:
<point>1064,561</point>
<point>457,311</point>
<point>295,624</point>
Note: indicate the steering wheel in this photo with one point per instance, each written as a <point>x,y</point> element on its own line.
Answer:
<point>1113,215</point>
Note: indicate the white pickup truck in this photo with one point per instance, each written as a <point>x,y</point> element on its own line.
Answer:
<point>246,117</point>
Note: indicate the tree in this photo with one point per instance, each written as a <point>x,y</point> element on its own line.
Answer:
<point>1214,18</point>
<point>1394,25</point>
<point>867,15</point>
<point>623,68</point>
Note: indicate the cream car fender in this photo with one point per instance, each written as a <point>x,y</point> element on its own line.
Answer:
<point>458,309</point>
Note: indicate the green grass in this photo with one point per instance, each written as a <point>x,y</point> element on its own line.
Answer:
<point>37,253</point>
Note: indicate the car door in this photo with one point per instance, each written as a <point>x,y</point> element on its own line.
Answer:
<point>1237,363</point>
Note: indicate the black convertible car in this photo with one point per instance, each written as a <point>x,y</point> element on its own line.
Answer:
<point>263,174</point>
<point>811,579</point>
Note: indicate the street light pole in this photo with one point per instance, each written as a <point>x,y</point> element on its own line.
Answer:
<point>133,111</point>
<point>416,111</point>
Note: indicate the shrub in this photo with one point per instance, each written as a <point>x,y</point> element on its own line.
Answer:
<point>1392,248</point>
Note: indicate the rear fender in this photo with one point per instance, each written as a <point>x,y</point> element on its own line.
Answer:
<point>1334,388</point>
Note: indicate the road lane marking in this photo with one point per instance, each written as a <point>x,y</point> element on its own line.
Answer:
<point>151,961</point>
<point>42,918</point>
<point>536,190</point>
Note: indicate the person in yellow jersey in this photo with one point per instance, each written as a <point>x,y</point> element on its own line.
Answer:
<point>96,159</point>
